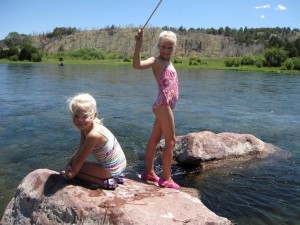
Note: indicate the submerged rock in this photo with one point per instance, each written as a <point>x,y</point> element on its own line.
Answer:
<point>44,197</point>
<point>194,149</point>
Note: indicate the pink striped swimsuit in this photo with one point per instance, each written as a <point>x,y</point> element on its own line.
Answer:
<point>168,92</point>
<point>110,155</point>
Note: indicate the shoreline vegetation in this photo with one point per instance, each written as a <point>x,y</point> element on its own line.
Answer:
<point>275,50</point>
<point>208,64</point>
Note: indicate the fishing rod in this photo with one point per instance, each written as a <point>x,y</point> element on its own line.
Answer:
<point>152,14</point>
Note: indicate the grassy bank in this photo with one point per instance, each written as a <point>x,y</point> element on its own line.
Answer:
<point>203,63</point>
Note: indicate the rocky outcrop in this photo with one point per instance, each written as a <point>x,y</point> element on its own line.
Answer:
<point>194,149</point>
<point>44,197</point>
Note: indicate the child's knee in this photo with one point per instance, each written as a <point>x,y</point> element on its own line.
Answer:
<point>155,140</point>
<point>170,142</point>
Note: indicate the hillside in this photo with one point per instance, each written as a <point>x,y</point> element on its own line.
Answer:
<point>121,40</point>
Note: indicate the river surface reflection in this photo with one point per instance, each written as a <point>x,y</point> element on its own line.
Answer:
<point>36,129</point>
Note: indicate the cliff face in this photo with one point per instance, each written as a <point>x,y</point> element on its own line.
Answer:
<point>44,197</point>
<point>121,40</point>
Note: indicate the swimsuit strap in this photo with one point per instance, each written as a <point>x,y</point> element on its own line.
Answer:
<point>160,60</point>
<point>99,132</point>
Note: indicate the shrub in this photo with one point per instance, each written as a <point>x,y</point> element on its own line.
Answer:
<point>237,62</point>
<point>230,62</point>
<point>177,60</point>
<point>27,53</point>
<point>288,64</point>
<point>112,55</point>
<point>296,64</point>
<point>275,57</point>
<point>1,53</point>
<point>12,51</point>
<point>195,61</point>
<point>36,57</point>
<point>126,59</point>
<point>247,60</point>
<point>87,54</point>
<point>86,57</point>
<point>259,62</point>
<point>13,58</point>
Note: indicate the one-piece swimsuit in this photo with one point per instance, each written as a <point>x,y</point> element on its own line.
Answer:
<point>110,155</point>
<point>168,92</point>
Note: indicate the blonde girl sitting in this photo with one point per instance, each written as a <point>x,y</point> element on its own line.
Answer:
<point>95,138</point>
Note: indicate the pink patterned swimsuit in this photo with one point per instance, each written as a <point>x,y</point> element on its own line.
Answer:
<point>167,85</point>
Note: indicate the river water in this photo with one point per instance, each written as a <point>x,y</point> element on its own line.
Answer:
<point>36,129</point>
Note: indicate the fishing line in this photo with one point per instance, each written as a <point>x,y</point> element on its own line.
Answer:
<point>152,14</point>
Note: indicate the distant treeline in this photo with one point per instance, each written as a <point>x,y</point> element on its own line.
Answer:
<point>243,35</point>
<point>249,46</point>
<point>61,31</point>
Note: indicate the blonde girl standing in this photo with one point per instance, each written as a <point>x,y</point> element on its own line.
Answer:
<point>167,82</point>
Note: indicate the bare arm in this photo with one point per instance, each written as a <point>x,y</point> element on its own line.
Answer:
<point>69,163</point>
<point>137,62</point>
<point>84,150</point>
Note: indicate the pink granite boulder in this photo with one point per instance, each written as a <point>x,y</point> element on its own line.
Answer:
<point>193,149</point>
<point>45,198</point>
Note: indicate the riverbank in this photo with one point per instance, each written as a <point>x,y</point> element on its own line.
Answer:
<point>204,63</point>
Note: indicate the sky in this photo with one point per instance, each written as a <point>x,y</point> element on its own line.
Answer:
<point>42,16</point>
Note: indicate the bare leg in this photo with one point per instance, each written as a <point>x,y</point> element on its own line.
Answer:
<point>151,148</point>
<point>93,173</point>
<point>165,119</point>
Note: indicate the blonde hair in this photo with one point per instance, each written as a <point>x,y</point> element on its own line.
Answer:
<point>83,102</point>
<point>167,36</point>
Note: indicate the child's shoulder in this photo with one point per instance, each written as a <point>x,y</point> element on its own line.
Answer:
<point>98,134</point>
<point>100,129</point>
<point>158,63</point>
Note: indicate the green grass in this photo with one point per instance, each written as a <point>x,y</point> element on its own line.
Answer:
<point>206,63</point>
<point>218,64</point>
<point>80,61</point>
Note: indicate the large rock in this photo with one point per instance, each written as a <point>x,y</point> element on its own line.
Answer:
<point>44,197</point>
<point>194,149</point>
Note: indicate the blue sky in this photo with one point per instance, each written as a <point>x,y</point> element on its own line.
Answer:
<point>42,16</point>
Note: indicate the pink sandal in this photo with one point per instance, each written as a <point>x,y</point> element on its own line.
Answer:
<point>168,184</point>
<point>151,178</point>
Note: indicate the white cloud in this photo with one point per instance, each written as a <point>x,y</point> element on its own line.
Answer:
<point>281,7</point>
<point>262,17</point>
<point>268,6</point>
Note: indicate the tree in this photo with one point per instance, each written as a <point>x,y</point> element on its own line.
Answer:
<point>275,42</point>
<point>240,36</point>
<point>17,40</point>
<point>60,31</point>
<point>221,31</point>
<point>291,49</point>
<point>1,53</point>
<point>36,57</point>
<point>297,46</point>
<point>27,52</point>
<point>182,30</point>
<point>12,51</point>
<point>227,31</point>
<point>275,57</point>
